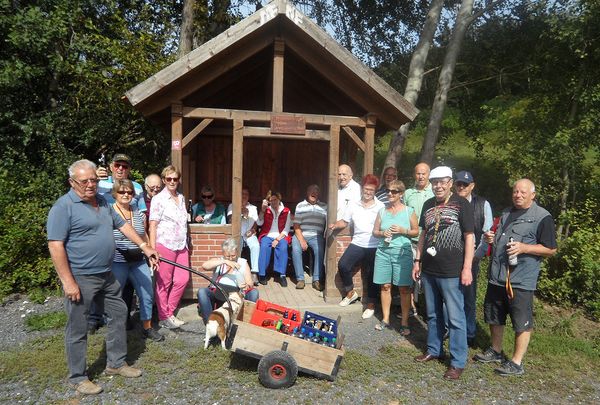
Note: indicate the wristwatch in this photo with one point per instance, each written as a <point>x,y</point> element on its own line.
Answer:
<point>417,260</point>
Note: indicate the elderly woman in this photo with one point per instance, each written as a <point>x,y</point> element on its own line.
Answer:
<point>208,211</point>
<point>275,221</point>
<point>168,234</point>
<point>395,225</point>
<point>363,246</point>
<point>129,262</point>
<point>232,273</point>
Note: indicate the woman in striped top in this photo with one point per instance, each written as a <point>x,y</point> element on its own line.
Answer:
<point>129,262</point>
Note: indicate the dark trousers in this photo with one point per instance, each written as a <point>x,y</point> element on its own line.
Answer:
<point>351,257</point>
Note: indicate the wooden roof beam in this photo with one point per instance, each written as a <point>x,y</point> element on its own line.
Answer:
<point>278,61</point>
<point>194,132</point>
<point>354,137</point>
<point>230,114</point>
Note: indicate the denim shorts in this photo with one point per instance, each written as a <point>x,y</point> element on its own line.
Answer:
<point>497,306</point>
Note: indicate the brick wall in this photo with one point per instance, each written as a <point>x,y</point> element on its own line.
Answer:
<point>342,241</point>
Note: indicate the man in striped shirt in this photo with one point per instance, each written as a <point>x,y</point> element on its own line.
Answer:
<point>309,227</point>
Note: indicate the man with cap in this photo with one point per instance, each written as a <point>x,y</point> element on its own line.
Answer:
<point>444,258</point>
<point>120,168</point>
<point>482,220</point>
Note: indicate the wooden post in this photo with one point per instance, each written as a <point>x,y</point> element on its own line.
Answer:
<point>371,121</point>
<point>331,292</point>
<point>237,178</point>
<point>176,134</point>
<point>278,61</point>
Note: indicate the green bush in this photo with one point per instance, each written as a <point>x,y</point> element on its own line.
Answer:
<point>573,275</point>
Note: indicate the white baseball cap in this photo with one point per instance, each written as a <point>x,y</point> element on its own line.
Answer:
<point>440,172</point>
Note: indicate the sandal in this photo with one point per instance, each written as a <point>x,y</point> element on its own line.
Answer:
<point>404,330</point>
<point>382,326</point>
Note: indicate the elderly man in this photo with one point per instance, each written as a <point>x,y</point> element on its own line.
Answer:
<point>348,189</point>
<point>152,186</point>
<point>389,174</point>
<point>445,251</point>
<point>483,219</point>
<point>120,167</point>
<point>309,226</point>
<point>81,244</point>
<point>248,230</point>
<point>525,235</point>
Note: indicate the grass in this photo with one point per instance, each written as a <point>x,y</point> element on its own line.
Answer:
<point>50,320</point>
<point>562,357</point>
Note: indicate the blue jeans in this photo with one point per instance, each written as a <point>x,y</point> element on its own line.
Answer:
<point>207,301</point>
<point>449,291</point>
<point>470,293</point>
<point>139,276</point>
<point>281,256</point>
<point>252,243</point>
<point>317,244</point>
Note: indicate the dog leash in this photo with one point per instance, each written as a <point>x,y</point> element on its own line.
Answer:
<point>204,276</point>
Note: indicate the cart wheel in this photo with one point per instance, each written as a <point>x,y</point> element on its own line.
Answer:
<point>277,369</point>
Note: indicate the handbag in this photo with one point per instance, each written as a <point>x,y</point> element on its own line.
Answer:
<point>132,255</point>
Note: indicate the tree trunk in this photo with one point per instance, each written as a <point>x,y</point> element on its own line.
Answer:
<point>415,79</point>
<point>186,37</point>
<point>463,20</point>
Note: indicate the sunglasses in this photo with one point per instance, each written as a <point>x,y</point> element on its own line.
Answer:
<point>207,197</point>
<point>394,191</point>
<point>128,192</point>
<point>171,179</point>
<point>121,166</point>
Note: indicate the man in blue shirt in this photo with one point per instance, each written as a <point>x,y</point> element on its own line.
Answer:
<point>81,244</point>
<point>120,168</point>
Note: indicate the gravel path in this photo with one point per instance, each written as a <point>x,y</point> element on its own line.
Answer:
<point>219,381</point>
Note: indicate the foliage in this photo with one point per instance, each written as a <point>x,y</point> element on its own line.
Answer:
<point>51,320</point>
<point>64,66</point>
<point>573,275</point>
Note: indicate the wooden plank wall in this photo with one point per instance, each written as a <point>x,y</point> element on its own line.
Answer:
<point>288,166</point>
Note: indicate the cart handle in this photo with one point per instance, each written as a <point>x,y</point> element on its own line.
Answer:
<point>204,276</point>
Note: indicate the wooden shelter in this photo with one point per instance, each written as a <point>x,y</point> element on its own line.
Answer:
<point>273,103</point>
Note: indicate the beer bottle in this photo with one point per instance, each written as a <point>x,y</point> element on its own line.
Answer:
<point>190,213</point>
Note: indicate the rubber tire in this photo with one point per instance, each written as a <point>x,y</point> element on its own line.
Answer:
<point>277,369</point>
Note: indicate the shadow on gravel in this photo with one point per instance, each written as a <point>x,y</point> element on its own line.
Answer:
<point>136,346</point>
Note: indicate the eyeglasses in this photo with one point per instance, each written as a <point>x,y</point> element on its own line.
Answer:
<point>437,182</point>
<point>459,184</point>
<point>171,179</point>
<point>153,188</point>
<point>85,182</point>
<point>121,166</point>
<point>207,197</point>
<point>128,192</point>
<point>394,191</point>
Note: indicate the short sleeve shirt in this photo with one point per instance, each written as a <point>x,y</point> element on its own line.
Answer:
<point>138,201</point>
<point>346,196</point>
<point>363,219</point>
<point>247,223</point>
<point>311,218</point>
<point>455,218</point>
<point>171,216</point>
<point>87,232</point>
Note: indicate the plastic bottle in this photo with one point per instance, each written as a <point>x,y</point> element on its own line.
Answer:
<point>278,325</point>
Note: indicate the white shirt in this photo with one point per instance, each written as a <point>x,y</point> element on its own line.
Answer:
<point>247,223</point>
<point>274,231</point>
<point>363,219</point>
<point>346,195</point>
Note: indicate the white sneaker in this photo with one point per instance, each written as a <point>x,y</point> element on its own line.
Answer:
<point>368,313</point>
<point>167,324</point>
<point>176,321</point>
<point>347,301</point>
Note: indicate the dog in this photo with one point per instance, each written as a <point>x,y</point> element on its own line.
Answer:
<point>220,318</point>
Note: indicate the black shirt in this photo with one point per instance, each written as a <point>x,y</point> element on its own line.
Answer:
<point>455,219</point>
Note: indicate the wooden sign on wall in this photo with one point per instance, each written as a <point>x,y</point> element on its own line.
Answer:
<point>288,124</point>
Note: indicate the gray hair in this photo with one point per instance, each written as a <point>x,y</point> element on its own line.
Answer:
<point>148,177</point>
<point>230,244</point>
<point>81,164</point>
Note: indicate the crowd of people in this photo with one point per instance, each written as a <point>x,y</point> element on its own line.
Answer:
<point>107,233</point>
